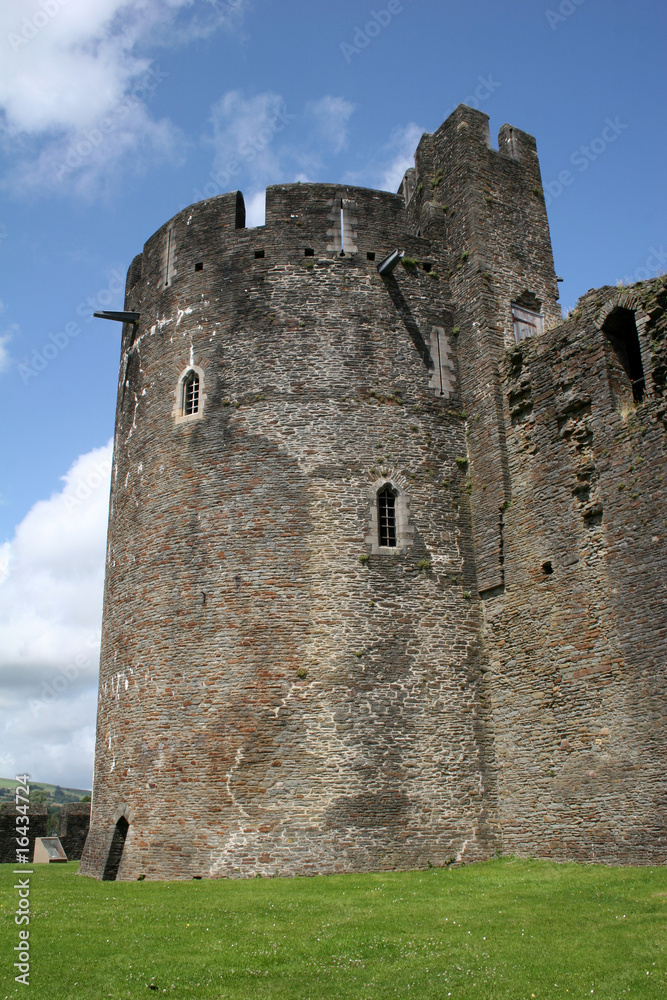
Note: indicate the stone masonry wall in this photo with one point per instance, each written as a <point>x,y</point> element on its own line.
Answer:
<point>37,828</point>
<point>488,206</point>
<point>275,696</point>
<point>74,826</point>
<point>577,641</point>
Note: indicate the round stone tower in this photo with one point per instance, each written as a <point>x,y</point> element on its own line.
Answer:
<point>289,661</point>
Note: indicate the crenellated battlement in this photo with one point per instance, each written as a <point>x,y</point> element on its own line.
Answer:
<point>299,218</point>
<point>457,179</point>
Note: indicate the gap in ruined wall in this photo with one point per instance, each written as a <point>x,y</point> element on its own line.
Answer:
<point>528,300</point>
<point>621,332</point>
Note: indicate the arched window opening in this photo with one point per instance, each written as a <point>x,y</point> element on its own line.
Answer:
<point>191,394</point>
<point>621,331</point>
<point>387,516</point>
<point>116,850</point>
<point>390,531</point>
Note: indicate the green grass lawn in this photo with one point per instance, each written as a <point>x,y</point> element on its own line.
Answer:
<point>505,928</point>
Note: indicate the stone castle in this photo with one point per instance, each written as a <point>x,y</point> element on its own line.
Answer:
<point>385,572</point>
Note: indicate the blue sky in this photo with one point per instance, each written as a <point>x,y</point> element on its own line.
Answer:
<point>115,114</point>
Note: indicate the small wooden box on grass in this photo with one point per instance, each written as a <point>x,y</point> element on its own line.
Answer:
<point>48,849</point>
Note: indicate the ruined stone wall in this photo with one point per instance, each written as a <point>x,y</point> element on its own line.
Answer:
<point>73,830</point>
<point>277,695</point>
<point>37,828</point>
<point>577,640</point>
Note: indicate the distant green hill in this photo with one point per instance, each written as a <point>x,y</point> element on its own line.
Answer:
<point>39,791</point>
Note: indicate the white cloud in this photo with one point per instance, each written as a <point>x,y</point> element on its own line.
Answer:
<point>401,155</point>
<point>90,162</point>
<point>51,580</point>
<point>54,744</point>
<point>5,359</point>
<point>244,133</point>
<point>5,337</point>
<point>70,66</point>
<point>257,138</point>
<point>72,70</point>
<point>206,18</point>
<point>330,116</point>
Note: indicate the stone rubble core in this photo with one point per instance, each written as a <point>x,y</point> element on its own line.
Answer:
<point>285,690</point>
